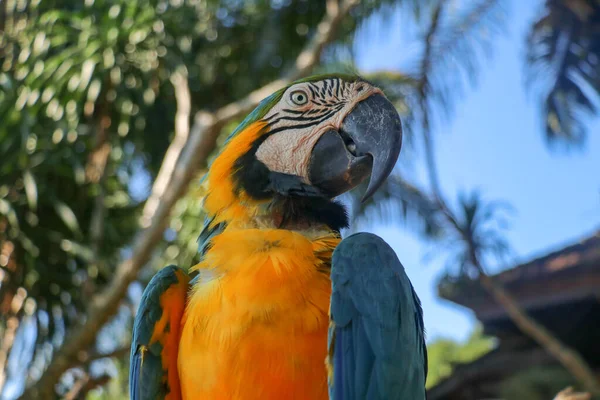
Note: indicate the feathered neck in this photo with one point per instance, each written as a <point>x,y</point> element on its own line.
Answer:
<point>227,203</point>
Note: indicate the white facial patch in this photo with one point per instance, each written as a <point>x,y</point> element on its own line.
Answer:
<point>305,112</point>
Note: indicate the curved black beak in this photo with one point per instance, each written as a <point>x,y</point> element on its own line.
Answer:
<point>369,142</point>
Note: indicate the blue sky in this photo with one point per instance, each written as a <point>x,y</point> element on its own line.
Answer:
<point>494,142</point>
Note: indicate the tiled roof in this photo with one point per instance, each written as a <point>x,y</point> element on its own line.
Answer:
<point>583,252</point>
<point>561,276</point>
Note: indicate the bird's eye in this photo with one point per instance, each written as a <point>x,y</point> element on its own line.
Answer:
<point>299,98</point>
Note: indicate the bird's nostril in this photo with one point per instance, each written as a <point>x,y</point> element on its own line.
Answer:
<point>350,145</point>
<point>351,148</point>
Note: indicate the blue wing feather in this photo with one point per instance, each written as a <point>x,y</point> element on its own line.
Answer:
<point>147,374</point>
<point>377,344</point>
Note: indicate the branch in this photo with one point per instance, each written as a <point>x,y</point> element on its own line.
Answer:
<point>570,394</point>
<point>182,131</point>
<point>201,142</point>
<point>86,384</point>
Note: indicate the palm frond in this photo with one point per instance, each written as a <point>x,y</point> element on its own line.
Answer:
<point>482,226</point>
<point>455,42</point>
<point>397,200</point>
<point>478,232</point>
<point>563,50</point>
<point>453,45</point>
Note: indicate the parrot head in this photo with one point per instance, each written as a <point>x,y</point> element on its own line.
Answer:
<point>302,146</point>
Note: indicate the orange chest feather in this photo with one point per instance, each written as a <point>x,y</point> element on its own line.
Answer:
<point>256,328</point>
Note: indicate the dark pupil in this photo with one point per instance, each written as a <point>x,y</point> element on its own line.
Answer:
<point>300,97</point>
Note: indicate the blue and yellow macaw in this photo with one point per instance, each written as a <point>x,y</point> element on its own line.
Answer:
<point>280,307</point>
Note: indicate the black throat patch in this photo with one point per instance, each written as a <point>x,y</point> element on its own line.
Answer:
<point>293,202</point>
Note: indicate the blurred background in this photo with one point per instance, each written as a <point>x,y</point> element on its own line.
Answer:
<point>110,111</point>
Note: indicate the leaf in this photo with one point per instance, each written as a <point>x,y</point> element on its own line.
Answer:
<point>30,189</point>
<point>68,216</point>
<point>7,210</point>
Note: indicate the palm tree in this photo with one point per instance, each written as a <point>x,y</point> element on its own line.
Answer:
<point>474,229</point>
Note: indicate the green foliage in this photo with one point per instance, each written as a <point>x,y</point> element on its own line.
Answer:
<point>444,354</point>
<point>117,388</point>
<point>87,111</point>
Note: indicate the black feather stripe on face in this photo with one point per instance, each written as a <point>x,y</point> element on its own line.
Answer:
<point>327,94</point>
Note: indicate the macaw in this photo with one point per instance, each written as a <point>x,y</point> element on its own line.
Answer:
<point>279,306</point>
